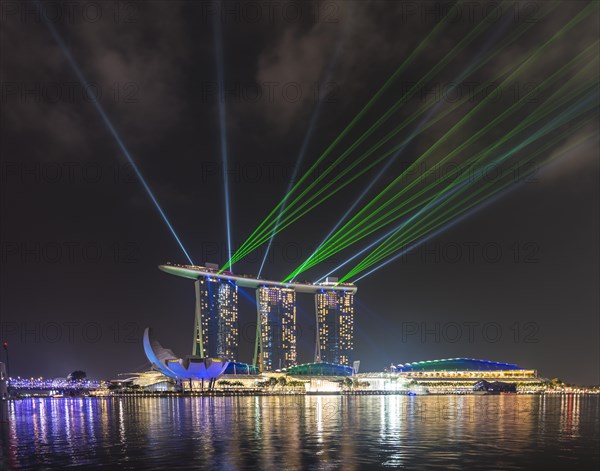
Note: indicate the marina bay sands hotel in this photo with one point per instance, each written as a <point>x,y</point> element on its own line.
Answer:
<point>216,326</point>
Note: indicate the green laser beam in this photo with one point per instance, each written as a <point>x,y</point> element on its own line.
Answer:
<point>361,113</point>
<point>529,120</point>
<point>475,203</point>
<point>392,243</point>
<point>376,199</point>
<point>480,156</point>
<point>373,226</point>
<point>242,252</point>
<point>518,33</point>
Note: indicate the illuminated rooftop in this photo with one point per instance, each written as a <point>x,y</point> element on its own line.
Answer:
<point>194,272</point>
<point>320,369</point>
<point>456,364</point>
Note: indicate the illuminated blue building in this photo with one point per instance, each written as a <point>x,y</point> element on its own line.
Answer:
<point>187,368</point>
<point>463,368</point>
<point>335,324</point>
<point>276,330</point>
<point>456,364</point>
<point>216,329</point>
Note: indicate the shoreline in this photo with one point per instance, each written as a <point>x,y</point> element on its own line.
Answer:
<point>280,393</point>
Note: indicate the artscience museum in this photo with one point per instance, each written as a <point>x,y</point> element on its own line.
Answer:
<point>190,367</point>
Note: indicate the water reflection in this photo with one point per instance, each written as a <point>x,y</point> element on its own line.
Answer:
<point>300,432</point>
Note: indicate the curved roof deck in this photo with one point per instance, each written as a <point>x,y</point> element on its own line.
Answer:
<point>320,369</point>
<point>456,364</point>
<point>194,272</point>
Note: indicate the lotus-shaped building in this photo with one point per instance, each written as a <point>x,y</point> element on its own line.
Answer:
<point>189,368</point>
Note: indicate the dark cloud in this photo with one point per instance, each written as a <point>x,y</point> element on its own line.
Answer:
<point>137,80</point>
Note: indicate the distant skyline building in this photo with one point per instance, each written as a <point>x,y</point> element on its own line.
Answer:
<point>216,329</point>
<point>276,331</point>
<point>335,325</point>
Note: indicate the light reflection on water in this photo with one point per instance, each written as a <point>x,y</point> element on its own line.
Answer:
<point>306,432</point>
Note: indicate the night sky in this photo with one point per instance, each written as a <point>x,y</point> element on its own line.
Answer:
<point>81,240</point>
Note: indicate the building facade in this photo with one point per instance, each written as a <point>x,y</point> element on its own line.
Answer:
<point>216,327</point>
<point>216,332</point>
<point>335,326</point>
<point>276,332</point>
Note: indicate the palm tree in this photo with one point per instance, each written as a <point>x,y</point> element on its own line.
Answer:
<point>77,375</point>
<point>556,383</point>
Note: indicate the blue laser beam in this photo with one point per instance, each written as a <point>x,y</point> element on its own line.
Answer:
<point>218,39</point>
<point>112,130</point>
<point>252,299</point>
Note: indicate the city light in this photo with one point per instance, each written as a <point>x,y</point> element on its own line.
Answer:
<point>438,161</point>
